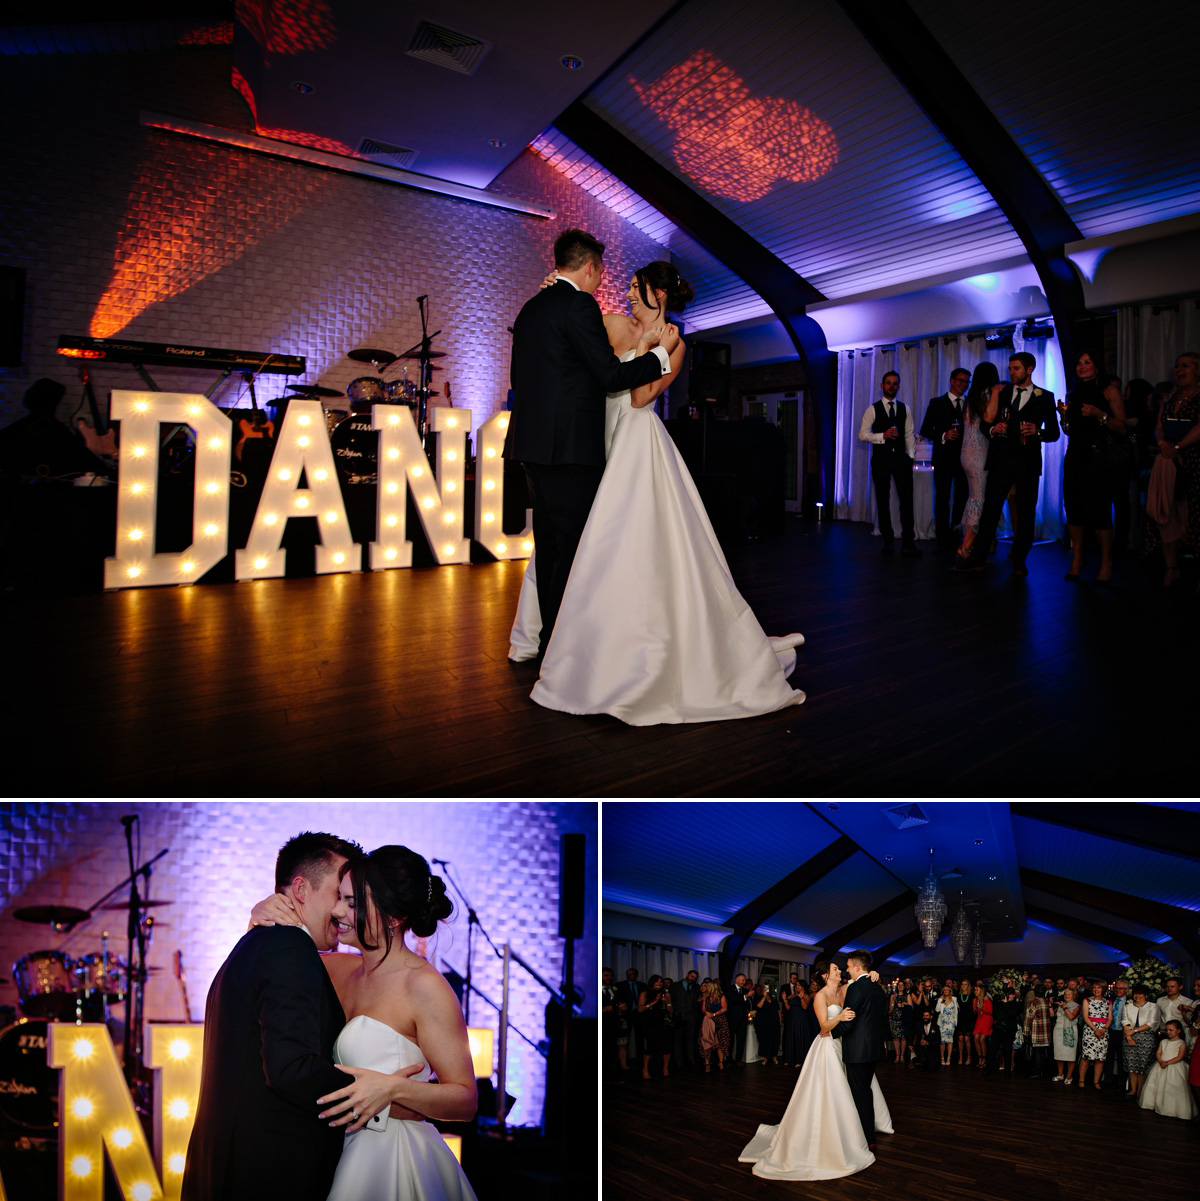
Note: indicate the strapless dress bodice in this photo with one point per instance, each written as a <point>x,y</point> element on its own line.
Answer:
<point>366,1042</point>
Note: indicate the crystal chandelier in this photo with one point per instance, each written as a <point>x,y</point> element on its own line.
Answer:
<point>930,907</point>
<point>978,947</point>
<point>960,934</point>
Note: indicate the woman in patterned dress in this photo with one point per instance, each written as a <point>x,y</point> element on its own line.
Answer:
<point>1066,1035</point>
<point>1139,1020</point>
<point>947,1019</point>
<point>1097,1017</point>
<point>1184,452</point>
<point>896,1021</point>
<point>714,1026</point>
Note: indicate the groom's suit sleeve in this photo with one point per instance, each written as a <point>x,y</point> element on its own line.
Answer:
<point>836,1032</point>
<point>589,339</point>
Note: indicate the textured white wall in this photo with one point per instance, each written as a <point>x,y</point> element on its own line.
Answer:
<point>504,856</point>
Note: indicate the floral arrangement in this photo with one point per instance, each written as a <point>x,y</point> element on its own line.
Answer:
<point>1151,972</point>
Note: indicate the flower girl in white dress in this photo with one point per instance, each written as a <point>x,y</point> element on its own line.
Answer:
<point>1166,1089</point>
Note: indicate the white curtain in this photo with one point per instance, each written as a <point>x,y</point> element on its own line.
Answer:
<point>652,960</point>
<point>924,367</point>
<point>1150,338</point>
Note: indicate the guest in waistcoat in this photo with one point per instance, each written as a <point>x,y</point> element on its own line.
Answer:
<point>943,426</point>
<point>888,426</point>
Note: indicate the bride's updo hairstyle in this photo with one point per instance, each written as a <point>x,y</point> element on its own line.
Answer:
<point>820,972</point>
<point>403,890</point>
<point>660,276</point>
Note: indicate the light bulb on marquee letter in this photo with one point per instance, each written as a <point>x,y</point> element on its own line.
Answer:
<point>401,456</point>
<point>177,1052</point>
<point>489,494</point>
<point>111,1123</point>
<point>282,497</point>
<point>140,415</point>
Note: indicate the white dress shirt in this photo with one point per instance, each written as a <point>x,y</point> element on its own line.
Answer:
<point>910,439</point>
<point>957,402</point>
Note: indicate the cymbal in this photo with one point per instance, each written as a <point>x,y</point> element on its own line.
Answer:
<point>52,915</point>
<point>416,354</point>
<point>141,904</point>
<point>367,355</point>
<point>312,390</point>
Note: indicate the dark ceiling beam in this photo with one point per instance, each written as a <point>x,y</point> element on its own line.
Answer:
<point>896,945</point>
<point>849,933</point>
<point>773,280</point>
<point>751,916</point>
<point>1166,831</point>
<point>950,101</point>
<point>1179,924</point>
<point>1130,943</point>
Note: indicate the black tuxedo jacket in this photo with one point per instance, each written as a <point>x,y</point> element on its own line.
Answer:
<point>562,371</point>
<point>1006,449</point>
<point>862,1038</point>
<point>739,1006</point>
<point>940,417</point>
<point>686,1001</point>
<point>269,1026</point>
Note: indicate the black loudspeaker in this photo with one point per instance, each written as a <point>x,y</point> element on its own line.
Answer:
<point>12,315</point>
<point>570,885</point>
<point>708,373</point>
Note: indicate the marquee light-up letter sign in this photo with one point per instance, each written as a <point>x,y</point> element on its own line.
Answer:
<point>303,451</point>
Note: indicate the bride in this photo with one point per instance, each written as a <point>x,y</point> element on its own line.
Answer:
<point>686,648</point>
<point>820,1136</point>
<point>403,1020</point>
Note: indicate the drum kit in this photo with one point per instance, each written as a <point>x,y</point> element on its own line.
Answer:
<point>354,441</point>
<point>53,986</point>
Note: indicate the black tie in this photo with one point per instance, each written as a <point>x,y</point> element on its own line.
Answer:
<point>891,410</point>
<point>957,409</point>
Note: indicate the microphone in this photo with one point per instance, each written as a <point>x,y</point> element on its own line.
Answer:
<point>420,298</point>
<point>441,862</point>
<point>128,821</point>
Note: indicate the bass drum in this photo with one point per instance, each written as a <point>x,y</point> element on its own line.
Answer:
<point>28,1088</point>
<point>45,984</point>
<point>355,446</point>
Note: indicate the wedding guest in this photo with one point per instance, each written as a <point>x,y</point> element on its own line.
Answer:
<point>1018,420</point>
<point>1114,1069</point>
<point>947,1019</point>
<point>656,1038</point>
<point>887,425</point>
<point>1066,1035</point>
<point>1166,1090</point>
<point>1097,1021</point>
<point>737,1015</point>
<point>943,426</point>
<point>1140,1019</point>
<point>982,1004</point>
<point>610,1021</point>
<point>767,1021</point>
<point>1194,1024</point>
<point>1140,422</point>
<point>966,1023</point>
<point>627,993</point>
<point>750,1050</point>
<point>1094,410</point>
<point>685,999</point>
<point>1037,1032</point>
<point>714,1027</point>
<point>1177,472</point>
<point>1174,1005</point>
<point>1006,1021</point>
<point>925,1039</point>
<point>896,1022</point>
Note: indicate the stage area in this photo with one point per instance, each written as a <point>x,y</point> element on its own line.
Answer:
<point>397,683</point>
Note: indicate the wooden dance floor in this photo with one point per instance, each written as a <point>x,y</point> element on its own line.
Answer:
<point>397,683</point>
<point>957,1138</point>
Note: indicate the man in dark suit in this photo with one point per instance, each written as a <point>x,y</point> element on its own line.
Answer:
<point>888,426</point>
<point>943,427</point>
<point>862,1037</point>
<point>269,1026</point>
<point>925,1043</point>
<point>562,369</point>
<point>736,996</point>
<point>1026,418</point>
<point>685,997</point>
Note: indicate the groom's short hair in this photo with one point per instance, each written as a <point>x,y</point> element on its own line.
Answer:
<point>311,855</point>
<point>862,958</point>
<point>574,248</point>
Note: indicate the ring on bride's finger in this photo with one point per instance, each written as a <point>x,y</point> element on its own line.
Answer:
<point>354,1114</point>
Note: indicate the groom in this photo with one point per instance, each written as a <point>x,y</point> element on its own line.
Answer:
<point>562,368</point>
<point>863,1037</point>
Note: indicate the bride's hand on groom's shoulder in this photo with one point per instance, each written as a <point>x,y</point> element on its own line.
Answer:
<point>552,278</point>
<point>275,910</point>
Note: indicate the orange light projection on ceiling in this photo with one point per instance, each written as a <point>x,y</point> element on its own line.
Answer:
<point>288,26</point>
<point>191,215</point>
<point>731,142</point>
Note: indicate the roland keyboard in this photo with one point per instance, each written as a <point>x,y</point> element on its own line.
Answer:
<point>172,354</point>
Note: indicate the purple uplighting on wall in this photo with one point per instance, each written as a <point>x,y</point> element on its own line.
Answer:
<point>221,860</point>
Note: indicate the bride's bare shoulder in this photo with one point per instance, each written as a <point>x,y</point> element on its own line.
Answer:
<point>622,332</point>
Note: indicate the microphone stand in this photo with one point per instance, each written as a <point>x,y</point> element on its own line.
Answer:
<point>472,922</point>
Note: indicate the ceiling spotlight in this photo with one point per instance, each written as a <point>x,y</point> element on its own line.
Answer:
<point>303,88</point>
<point>497,142</point>
<point>888,858</point>
<point>1002,340</point>
<point>991,877</point>
<point>832,806</point>
<point>571,62</point>
<point>979,842</point>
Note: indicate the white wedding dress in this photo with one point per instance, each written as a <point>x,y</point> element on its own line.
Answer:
<point>409,1161</point>
<point>820,1136</point>
<point>652,628</point>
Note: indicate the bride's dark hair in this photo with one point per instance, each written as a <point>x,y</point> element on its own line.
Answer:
<point>403,890</point>
<point>661,276</point>
<point>820,972</point>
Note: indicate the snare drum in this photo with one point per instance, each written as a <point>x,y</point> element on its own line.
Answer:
<point>97,976</point>
<point>356,449</point>
<point>401,392</point>
<point>45,984</point>
<point>366,390</point>
<point>28,1088</point>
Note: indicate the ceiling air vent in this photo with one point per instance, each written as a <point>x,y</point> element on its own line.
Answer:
<point>904,817</point>
<point>445,48</point>
<point>396,156</point>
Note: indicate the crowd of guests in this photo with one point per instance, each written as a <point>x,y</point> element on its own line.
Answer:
<point>1131,471</point>
<point>1078,1031</point>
